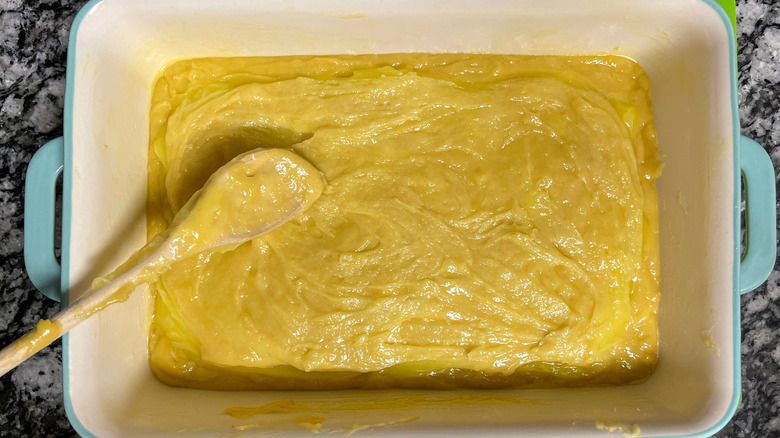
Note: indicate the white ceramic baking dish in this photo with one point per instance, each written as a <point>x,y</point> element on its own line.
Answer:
<point>687,48</point>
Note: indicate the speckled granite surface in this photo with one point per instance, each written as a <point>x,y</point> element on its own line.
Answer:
<point>33,42</point>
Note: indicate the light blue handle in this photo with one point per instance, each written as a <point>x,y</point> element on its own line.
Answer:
<point>39,198</point>
<point>760,213</point>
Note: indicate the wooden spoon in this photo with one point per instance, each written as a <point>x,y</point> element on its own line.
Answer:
<point>251,195</point>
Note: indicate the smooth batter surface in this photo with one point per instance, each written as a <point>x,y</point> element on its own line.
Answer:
<point>489,221</point>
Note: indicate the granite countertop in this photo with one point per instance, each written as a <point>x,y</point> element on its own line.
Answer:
<point>33,44</point>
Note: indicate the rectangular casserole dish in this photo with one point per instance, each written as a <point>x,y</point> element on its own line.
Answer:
<point>686,47</point>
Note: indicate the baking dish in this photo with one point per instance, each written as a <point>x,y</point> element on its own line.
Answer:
<point>118,47</point>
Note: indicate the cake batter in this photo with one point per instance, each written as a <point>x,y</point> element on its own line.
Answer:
<point>489,220</point>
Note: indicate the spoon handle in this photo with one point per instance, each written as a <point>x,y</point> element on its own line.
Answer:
<point>94,300</point>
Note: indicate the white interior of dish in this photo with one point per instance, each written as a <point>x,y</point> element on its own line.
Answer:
<point>683,46</point>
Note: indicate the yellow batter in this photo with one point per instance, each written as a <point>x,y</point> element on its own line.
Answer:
<point>488,221</point>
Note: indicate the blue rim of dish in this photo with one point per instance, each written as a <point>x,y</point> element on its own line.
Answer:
<point>67,211</point>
